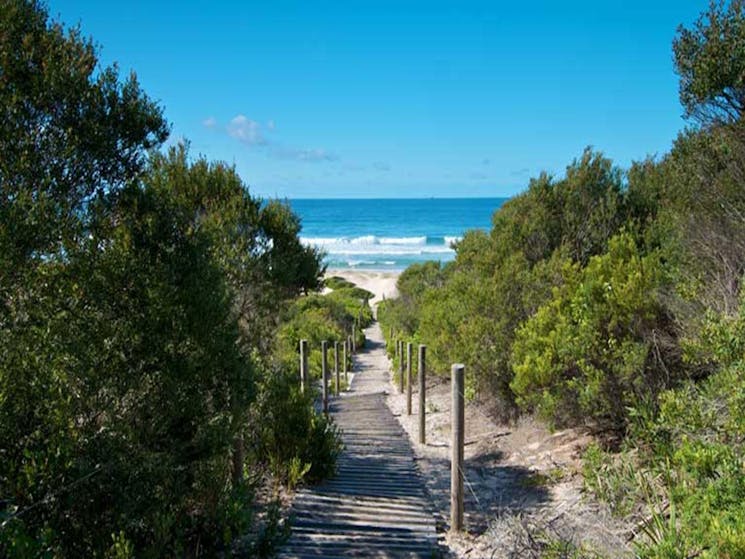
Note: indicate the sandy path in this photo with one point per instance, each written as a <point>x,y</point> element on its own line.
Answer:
<point>522,482</point>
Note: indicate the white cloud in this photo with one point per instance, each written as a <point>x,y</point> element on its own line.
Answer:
<point>252,134</point>
<point>209,122</point>
<point>246,130</point>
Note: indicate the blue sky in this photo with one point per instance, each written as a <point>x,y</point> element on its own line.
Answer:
<point>400,99</point>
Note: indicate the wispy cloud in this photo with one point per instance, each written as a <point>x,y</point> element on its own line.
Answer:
<point>246,131</point>
<point>302,154</point>
<point>381,166</point>
<point>255,135</point>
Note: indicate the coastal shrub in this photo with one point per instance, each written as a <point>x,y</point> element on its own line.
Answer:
<point>336,282</point>
<point>590,352</point>
<point>355,302</point>
<point>684,467</point>
<point>315,325</point>
<point>138,299</point>
<point>316,318</point>
<point>290,437</point>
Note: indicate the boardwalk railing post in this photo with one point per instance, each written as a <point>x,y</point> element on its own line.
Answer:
<point>408,378</point>
<point>344,361</point>
<point>401,367</point>
<point>325,376</point>
<point>336,369</point>
<point>354,338</point>
<point>457,418</point>
<point>422,372</point>
<point>303,365</point>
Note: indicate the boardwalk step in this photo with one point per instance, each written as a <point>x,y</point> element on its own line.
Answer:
<point>375,505</point>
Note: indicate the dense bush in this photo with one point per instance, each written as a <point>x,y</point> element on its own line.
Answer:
<point>613,299</point>
<point>317,318</point>
<point>594,349</point>
<point>138,297</point>
<point>469,310</point>
<point>296,443</point>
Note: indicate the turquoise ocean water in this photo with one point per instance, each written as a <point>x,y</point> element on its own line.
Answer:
<point>390,234</point>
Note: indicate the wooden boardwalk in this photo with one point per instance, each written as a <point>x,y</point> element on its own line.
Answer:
<point>375,506</point>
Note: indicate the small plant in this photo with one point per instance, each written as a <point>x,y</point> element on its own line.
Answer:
<point>296,472</point>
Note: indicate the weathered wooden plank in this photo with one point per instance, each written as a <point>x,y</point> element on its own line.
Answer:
<point>376,505</point>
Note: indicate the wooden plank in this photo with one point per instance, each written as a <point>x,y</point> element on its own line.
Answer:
<point>375,505</point>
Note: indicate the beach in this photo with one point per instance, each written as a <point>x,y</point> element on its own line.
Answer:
<point>381,284</point>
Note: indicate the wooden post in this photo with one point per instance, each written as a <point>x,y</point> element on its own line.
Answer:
<point>239,457</point>
<point>344,362</point>
<point>408,378</point>
<point>422,372</point>
<point>325,377</point>
<point>354,338</point>
<point>303,365</point>
<point>349,347</point>
<point>336,369</point>
<point>401,368</point>
<point>457,418</point>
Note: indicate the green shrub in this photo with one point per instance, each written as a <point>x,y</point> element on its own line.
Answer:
<point>335,282</point>
<point>590,352</point>
<point>289,435</point>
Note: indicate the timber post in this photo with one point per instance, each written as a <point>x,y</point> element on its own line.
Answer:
<point>325,376</point>
<point>344,362</point>
<point>408,378</point>
<point>401,367</point>
<point>422,372</point>
<point>457,418</point>
<point>336,369</point>
<point>303,365</point>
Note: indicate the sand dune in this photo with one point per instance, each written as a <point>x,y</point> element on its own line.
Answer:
<point>382,284</point>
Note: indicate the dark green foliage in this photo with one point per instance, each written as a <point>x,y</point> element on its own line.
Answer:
<point>598,346</point>
<point>138,300</point>
<point>69,131</point>
<point>296,442</point>
<point>124,389</point>
<point>711,66</point>
<point>470,310</point>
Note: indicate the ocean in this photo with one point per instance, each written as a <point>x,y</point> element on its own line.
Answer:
<point>390,234</point>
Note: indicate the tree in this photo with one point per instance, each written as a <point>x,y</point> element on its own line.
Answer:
<point>70,131</point>
<point>710,60</point>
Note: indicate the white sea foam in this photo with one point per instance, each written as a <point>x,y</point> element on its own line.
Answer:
<point>364,240</point>
<point>402,240</point>
<point>371,245</point>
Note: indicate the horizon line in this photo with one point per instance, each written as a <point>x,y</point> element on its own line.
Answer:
<point>392,198</point>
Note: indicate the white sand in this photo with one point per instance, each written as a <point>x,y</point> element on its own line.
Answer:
<point>382,284</point>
